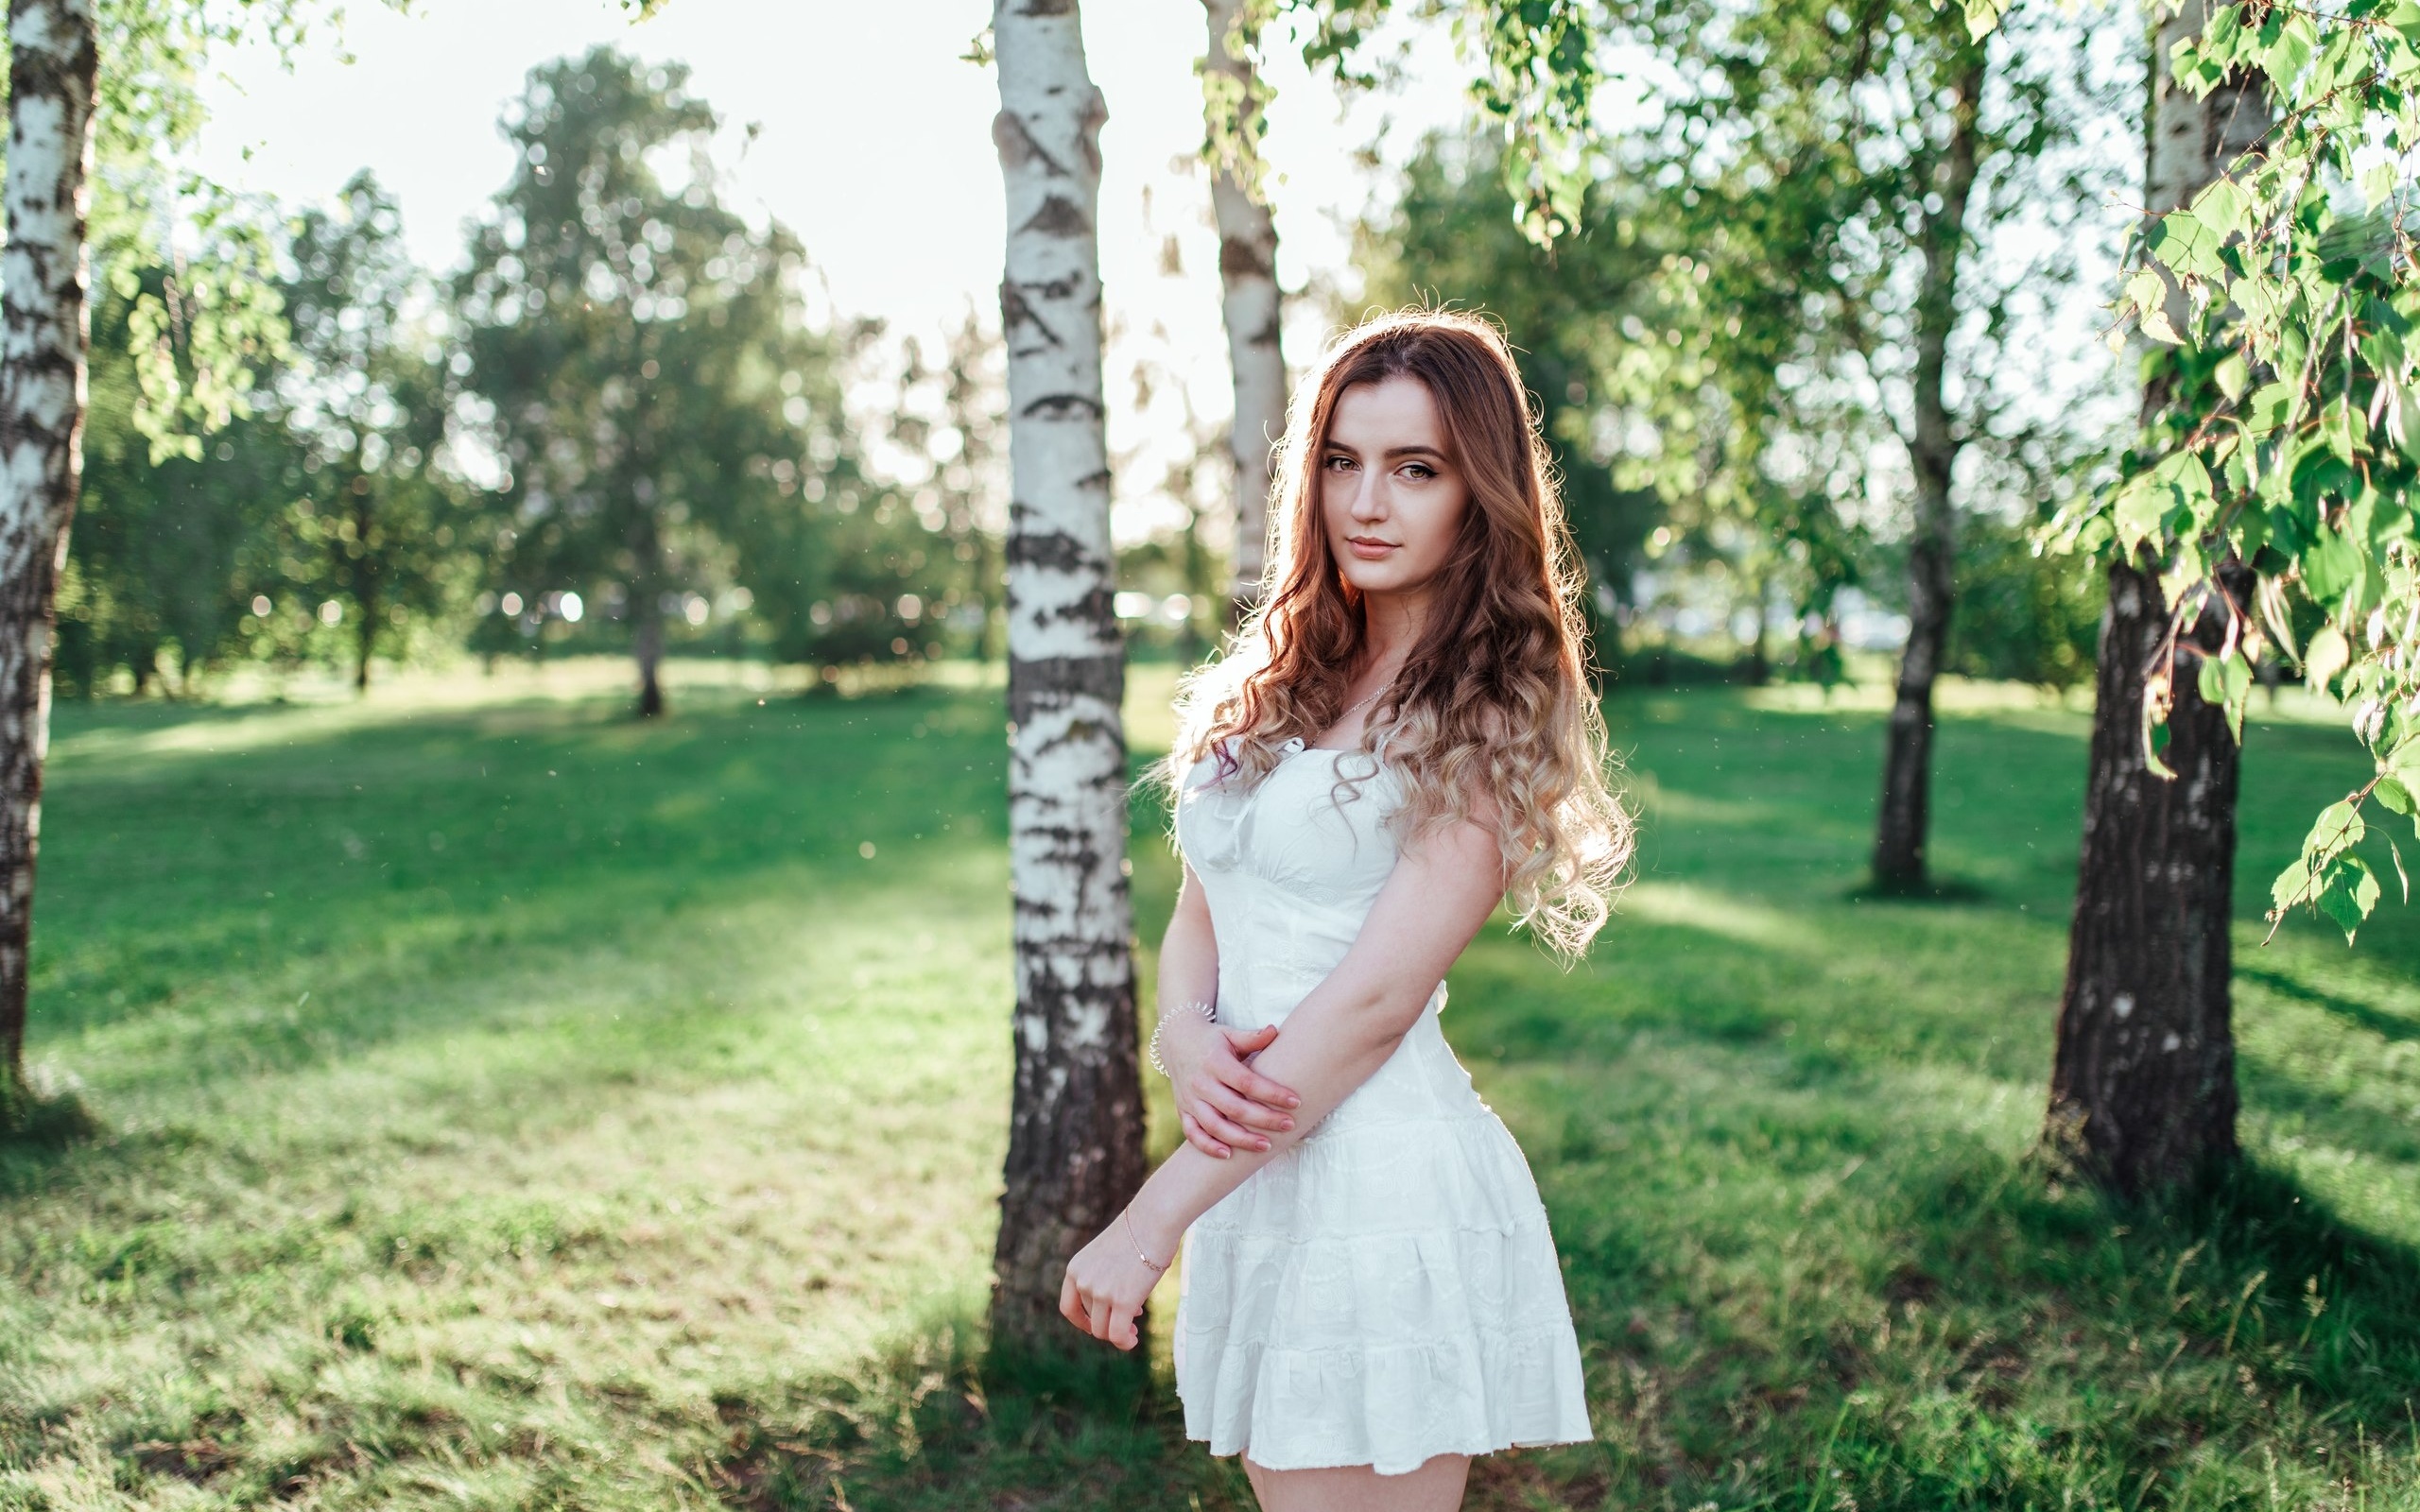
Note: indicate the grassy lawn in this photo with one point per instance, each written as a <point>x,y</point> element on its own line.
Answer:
<point>507,1104</point>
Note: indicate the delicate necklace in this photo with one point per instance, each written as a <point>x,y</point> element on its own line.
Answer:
<point>1353,709</point>
<point>1350,710</point>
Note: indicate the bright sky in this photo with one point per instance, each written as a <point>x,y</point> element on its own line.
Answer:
<point>874,145</point>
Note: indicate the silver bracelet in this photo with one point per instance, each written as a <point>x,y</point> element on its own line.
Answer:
<point>1197,1005</point>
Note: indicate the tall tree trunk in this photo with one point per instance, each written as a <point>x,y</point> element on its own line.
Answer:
<point>646,597</point>
<point>2142,1088</point>
<point>1248,270</point>
<point>646,649</point>
<point>1760,658</point>
<point>364,639</point>
<point>45,328</point>
<point>365,585</point>
<point>1075,1122</point>
<point>1904,818</point>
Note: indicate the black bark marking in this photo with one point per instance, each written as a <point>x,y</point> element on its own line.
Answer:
<point>1057,216</point>
<point>1051,683</point>
<point>1017,315</point>
<point>1062,407</point>
<point>1017,148</point>
<point>1241,257</point>
<point>1053,550</point>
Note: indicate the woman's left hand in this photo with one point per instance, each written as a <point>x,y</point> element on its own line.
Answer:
<point>1107,1285</point>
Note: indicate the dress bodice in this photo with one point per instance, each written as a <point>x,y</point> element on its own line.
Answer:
<point>1289,867</point>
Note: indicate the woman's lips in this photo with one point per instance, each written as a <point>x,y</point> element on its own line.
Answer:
<point>1368,549</point>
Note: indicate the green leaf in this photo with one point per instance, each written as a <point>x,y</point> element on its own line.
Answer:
<point>2392,793</point>
<point>2221,206</point>
<point>2186,570</point>
<point>2233,374</point>
<point>2273,404</point>
<point>2287,54</point>
<point>2331,566</point>
<point>2403,763</point>
<point>2147,291</point>
<point>2329,654</point>
<point>2291,885</point>
<point>2377,183</point>
<point>2188,246</point>
<point>2238,675</point>
<point>2338,828</point>
<point>2155,731</point>
<point>2235,676</point>
<point>2141,505</point>
<point>1982,16</point>
<point>2189,482</point>
<point>2349,892</point>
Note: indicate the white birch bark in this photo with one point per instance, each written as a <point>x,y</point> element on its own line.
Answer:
<point>1247,272</point>
<point>1075,1140</point>
<point>44,331</point>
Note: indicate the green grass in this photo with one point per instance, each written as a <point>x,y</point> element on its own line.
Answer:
<point>507,1104</point>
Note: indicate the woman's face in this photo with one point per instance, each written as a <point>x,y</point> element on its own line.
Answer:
<point>1389,495</point>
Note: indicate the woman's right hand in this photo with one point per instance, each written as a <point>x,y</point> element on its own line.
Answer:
<point>1221,1103</point>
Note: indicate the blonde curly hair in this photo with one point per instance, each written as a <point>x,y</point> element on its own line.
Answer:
<point>1495,699</point>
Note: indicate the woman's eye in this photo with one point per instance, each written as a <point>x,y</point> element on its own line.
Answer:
<point>1419,471</point>
<point>1339,464</point>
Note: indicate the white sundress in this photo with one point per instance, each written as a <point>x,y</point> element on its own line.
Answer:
<point>1387,1290</point>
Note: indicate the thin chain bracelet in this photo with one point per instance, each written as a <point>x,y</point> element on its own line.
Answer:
<point>1158,1267</point>
<point>1197,1005</point>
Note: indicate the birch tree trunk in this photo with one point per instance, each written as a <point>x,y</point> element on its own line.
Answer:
<point>1904,818</point>
<point>2142,1086</point>
<point>44,331</point>
<point>1076,1121</point>
<point>1248,271</point>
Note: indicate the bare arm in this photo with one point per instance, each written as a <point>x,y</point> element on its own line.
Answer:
<point>1222,1103</point>
<point>1440,894</point>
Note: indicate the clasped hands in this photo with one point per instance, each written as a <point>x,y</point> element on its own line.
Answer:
<point>1222,1105</point>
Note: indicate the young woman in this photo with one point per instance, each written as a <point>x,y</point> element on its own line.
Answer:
<point>1401,738</point>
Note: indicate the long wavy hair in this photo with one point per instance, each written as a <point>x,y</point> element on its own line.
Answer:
<point>1494,697</point>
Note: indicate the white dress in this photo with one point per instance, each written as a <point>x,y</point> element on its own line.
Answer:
<point>1386,1290</point>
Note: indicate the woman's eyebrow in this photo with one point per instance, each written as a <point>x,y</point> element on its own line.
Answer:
<point>1415,449</point>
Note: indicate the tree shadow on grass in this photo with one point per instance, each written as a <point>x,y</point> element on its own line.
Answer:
<point>924,1428</point>
<point>1933,889</point>
<point>1976,1337</point>
<point>37,1126</point>
<point>2390,1027</point>
<point>1813,1266</point>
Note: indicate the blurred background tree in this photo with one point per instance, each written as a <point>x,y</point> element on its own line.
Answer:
<point>376,525</point>
<point>668,420</point>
